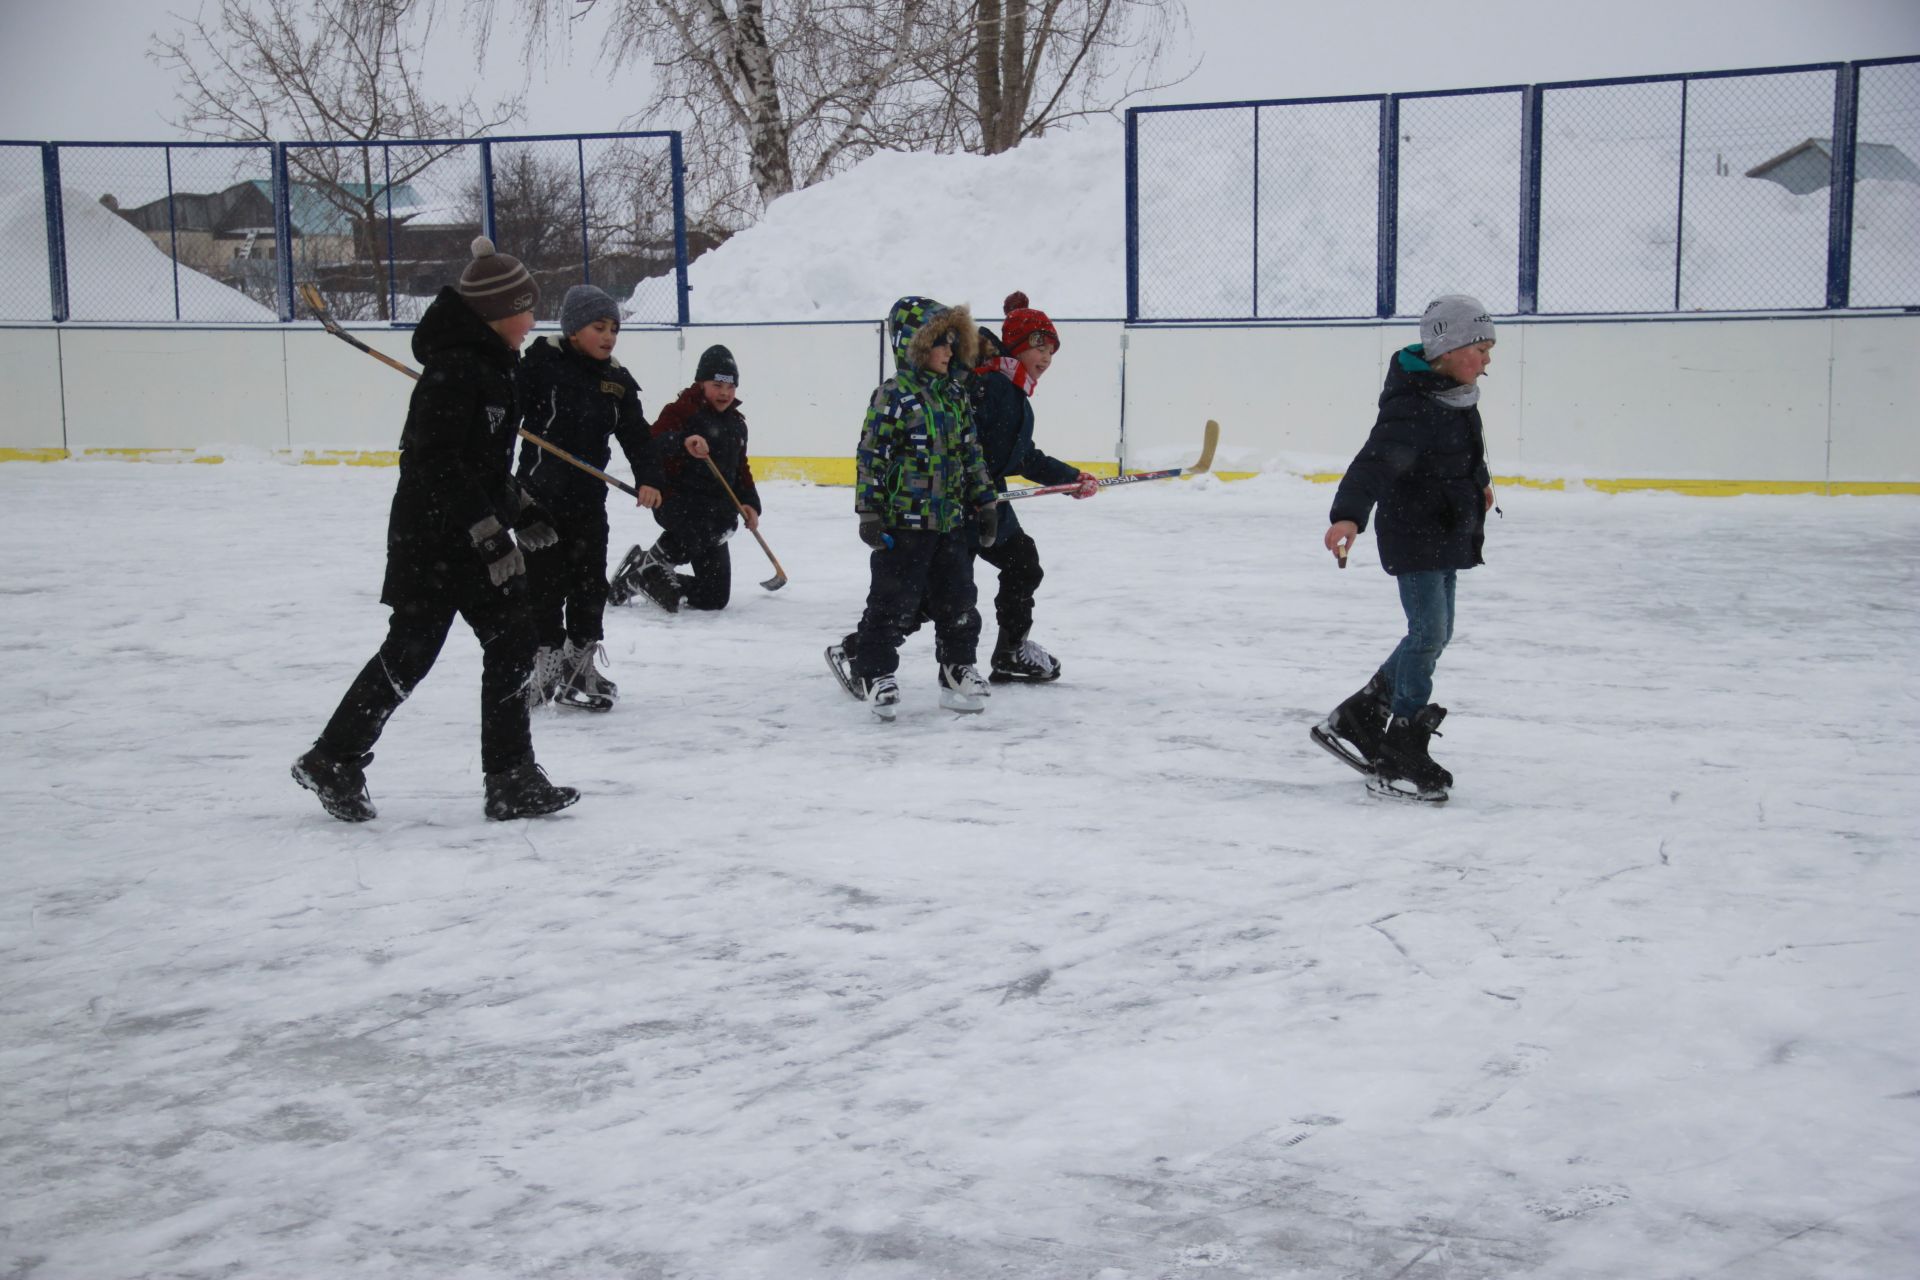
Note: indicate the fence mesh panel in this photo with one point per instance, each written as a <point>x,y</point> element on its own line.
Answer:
<point>1750,240</point>
<point>1459,200</point>
<point>115,211</point>
<point>1196,214</point>
<point>539,214</point>
<point>221,239</point>
<point>1886,190</point>
<point>630,226</point>
<point>1609,197</point>
<point>25,293</point>
<point>1317,242</point>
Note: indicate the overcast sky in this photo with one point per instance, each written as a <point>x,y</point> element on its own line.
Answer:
<point>78,70</point>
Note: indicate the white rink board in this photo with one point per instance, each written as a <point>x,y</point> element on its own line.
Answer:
<point>1778,400</point>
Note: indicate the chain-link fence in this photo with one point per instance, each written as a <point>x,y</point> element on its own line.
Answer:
<point>1774,189</point>
<point>220,232</point>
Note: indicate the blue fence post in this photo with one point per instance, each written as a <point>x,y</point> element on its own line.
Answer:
<point>1387,271</point>
<point>283,229</point>
<point>393,256</point>
<point>486,188</point>
<point>1133,215</point>
<point>681,288</point>
<point>1253,305</point>
<point>1846,88</point>
<point>56,232</point>
<point>173,233</point>
<point>1528,300</point>
<point>1680,201</point>
<point>586,246</point>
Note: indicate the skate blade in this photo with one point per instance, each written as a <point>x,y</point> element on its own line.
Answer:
<point>836,664</point>
<point>965,709</point>
<point>884,711</point>
<point>1401,789</point>
<point>1339,750</point>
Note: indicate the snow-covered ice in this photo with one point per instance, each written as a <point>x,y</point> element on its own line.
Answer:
<point>1123,980</point>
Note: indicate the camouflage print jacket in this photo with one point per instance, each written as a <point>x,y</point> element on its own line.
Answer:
<point>919,465</point>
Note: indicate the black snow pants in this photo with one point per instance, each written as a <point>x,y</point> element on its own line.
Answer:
<point>567,582</point>
<point>1018,560</point>
<point>414,638</point>
<point>922,572</point>
<point>695,534</point>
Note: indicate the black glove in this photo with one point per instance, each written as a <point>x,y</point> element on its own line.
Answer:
<point>986,523</point>
<point>503,560</point>
<point>534,525</point>
<point>872,534</point>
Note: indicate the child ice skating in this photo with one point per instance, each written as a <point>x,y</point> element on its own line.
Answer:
<point>1424,467</point>
<point>575,395</point>
<point>450,550</point>
<point>695,512</point>
<point>920,482</point>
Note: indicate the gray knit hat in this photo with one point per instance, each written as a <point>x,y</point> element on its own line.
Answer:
<point>495,284</point>
<point>583,305</point>
<point>1453,321</point>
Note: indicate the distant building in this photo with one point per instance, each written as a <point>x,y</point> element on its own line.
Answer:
<point>1809,166</point>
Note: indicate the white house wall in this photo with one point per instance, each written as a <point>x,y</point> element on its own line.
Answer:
<point>1783,400</point>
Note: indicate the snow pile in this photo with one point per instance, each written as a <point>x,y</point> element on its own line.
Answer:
<point>113,271</point>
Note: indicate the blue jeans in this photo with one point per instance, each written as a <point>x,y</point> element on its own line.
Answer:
<point>1427,599</point>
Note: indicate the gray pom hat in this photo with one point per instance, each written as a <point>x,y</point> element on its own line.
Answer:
<point>1453,321</point>
<point>583,305</point>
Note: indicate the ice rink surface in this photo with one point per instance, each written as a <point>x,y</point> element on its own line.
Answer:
<point>1122,980</point>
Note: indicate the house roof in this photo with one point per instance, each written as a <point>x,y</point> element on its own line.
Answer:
<point>1870,160</point>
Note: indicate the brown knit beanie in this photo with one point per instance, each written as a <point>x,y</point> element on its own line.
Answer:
<point>495,284</point>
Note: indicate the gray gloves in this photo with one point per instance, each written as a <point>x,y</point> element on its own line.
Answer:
<point>503,560</point>
<point>986,523</point>
<point>872,534</point>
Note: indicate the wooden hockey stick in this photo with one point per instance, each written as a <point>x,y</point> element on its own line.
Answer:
<point>1207,445</point>
<point>779,578</point>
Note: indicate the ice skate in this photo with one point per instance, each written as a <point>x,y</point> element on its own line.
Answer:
<point>841,664</point>
<point>1353,731</point>
<point>1020,659</point>
<point>1405,771</point>
<point>579,685</point>
<point>962,689</point>
<point>341,783</point>
<point>882,696</point>
<point>525,792</point>
<point>658,582</point>
<point>626,578</point>
<point>544,680</point>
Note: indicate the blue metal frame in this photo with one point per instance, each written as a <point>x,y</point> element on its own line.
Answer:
<point>56,232</point>
<point>486,188</point>
<point>283,228</point>
<point>586,248</point>
<point>682,290</point>
<point>1532,97</point>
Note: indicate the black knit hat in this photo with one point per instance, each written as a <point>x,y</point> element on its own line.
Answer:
<point>495,284</point>
<point>716,365</point>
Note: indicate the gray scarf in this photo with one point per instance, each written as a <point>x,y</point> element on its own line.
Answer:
<point>1464,396</point>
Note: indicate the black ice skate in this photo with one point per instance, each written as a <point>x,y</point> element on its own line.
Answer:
<point>656,580</point>
<point>579,685</point>
<point>1405,770</point>
<point>1019,658</point>
<point>525,792</point>
<point>1353,731</point>
<point>962,689</point>
<point>840,662</point>
<point>341,783</point>
<point>626,579</point>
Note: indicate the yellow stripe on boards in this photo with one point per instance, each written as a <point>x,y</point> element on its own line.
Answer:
<point>33,455</point>
<point>349,458</point>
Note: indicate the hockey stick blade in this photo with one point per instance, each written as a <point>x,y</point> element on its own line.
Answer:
<point>1208,443</point>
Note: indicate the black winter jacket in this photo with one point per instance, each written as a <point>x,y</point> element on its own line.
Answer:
<point>689,480</point>
<point>577,403</point>
<point>1425,467</point>
<point>1003,417</point>
<point>456,456</point>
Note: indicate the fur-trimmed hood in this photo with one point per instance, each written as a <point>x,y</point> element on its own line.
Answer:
<point>915,324</point>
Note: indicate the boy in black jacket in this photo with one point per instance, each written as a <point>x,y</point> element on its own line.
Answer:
<point>1425,468</point>
<point>576,396</point>
<point>449,550</point>
<point>703,424</point>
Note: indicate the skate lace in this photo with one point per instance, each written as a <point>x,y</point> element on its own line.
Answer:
<point>883,689</point>
<point>966,680</point>
<point>1033,654</point>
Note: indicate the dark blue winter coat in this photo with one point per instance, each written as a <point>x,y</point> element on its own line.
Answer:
<point>578,404</point>
<point>1425,468</point>
<point>1003,417</point>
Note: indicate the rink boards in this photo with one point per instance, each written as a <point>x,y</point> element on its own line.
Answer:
<point>1773,404</point>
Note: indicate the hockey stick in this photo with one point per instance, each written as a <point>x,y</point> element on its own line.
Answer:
<point>779,578</point>
<point>318,305</point>
<point>1207,445</point>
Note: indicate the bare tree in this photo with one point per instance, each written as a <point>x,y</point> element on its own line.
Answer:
<point>323,71</point>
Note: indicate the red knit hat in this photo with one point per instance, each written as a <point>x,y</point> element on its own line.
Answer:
<point>1022,323</point>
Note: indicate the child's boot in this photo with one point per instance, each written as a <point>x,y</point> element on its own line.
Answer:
<point>339,781</point>
<point>882,696</point>
<point>1405,769</point>
<point>1017,658</point>
<point>524,792</point>
<point>1354,730</point>
<point>962,689</point>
